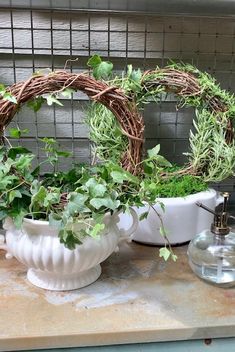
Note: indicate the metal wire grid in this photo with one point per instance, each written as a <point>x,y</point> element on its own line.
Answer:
<point>36,40</point>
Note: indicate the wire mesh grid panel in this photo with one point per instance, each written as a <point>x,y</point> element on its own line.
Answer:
<point>37,40</point>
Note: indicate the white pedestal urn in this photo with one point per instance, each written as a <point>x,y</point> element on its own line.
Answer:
<point>182,218</point>
<point>50,264</point>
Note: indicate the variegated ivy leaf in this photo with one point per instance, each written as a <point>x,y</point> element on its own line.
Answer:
<point>107,202</point>
<point>52,100</point>
<point>95,188</point>
<point>96,230</point>
<point>164,253</point>
<point>76,204</point>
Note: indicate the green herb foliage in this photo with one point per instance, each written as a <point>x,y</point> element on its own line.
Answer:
<point>179,186</point>
<point>105,133</point>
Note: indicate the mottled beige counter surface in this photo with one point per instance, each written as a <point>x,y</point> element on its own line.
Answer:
<point>138,298</point>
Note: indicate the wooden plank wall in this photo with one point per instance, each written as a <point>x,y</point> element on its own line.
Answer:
<point>37,40</point>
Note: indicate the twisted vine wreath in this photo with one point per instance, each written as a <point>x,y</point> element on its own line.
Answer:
<point>211,154</point>
<point>212,148</point>
<point>112,97</point>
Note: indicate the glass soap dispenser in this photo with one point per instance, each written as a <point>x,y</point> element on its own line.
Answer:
<point>212,253</point>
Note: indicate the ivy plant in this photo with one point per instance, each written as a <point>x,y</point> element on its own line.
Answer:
<point>74,201</point>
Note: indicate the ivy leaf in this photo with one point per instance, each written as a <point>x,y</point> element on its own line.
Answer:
<point>36,103</point>
<point>47,140</point>
<point>7,180</point>
<point>136,75</point>
<point>129,70</point>
<point>107,202</point>
<point>52,197</point>
<point>14,194</point>
<point>63,153</point>
<point>24,162</point>
<point>103,70</point>
<point>2,89</point>
<point>16,132</point>
<point>67,93</point>
<point>97,203</point>
<point>18,218</point>
<point>118,176</point>
<point>69,238</point>
<point>55,220</point>
<point>148,167</point>
<point>143,215</point>
<point>152,153</point>
<point>95,189</point>
<point>164,253</point>
<point>35,185</point>
<point>98,218</point>
<point>36,171</point>
<point>76,203</point>
<point>51,99</point>
<point>94,61</point>
<point>96,230</point>
<point>52,159</point>
<point>162,161</point>
<point>98,190</point>
<point>121,176</point>
<point>39,196</point>
<point>13,152</point>
<point>8,96</point>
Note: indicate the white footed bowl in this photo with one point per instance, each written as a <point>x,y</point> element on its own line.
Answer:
<point>50,264</point>
<point>182,218</point>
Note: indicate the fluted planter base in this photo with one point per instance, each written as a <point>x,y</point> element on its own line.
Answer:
<point>51,265</point>
<point>59,282</point>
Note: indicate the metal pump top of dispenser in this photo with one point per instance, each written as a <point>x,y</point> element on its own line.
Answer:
<point>220,223</point>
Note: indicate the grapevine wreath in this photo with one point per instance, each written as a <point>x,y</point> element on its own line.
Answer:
<point>211,154</point>
<point>125,111</point>
<point>212,148</point>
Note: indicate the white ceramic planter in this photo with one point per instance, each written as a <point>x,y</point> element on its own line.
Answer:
<point>50,264</point>
<point>182,219</point>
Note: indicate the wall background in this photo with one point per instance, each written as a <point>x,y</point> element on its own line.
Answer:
<point>32,40</point>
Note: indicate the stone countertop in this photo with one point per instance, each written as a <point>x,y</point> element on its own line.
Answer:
<point>138,298</point>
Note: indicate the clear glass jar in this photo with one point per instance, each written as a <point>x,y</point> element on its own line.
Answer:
<point>212,257</point>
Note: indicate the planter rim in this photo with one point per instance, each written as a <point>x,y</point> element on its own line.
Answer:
<point>190,197</point>
<point>46,222</point>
